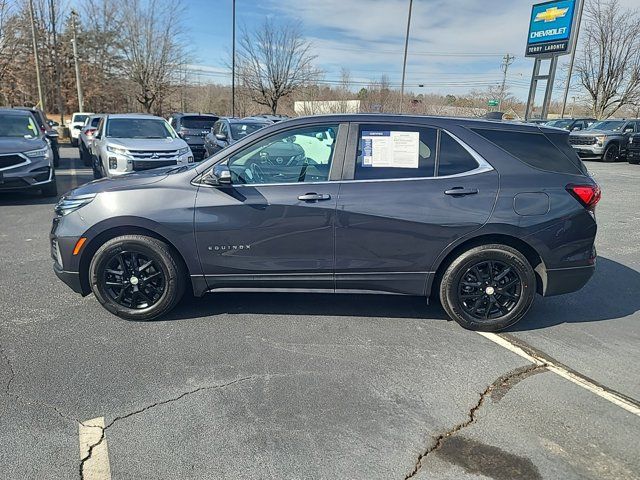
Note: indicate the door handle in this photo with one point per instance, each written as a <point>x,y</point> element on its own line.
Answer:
<point>314,197</point>
<point>461,191</point>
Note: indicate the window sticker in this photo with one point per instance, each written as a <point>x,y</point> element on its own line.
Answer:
<point>394,149</point>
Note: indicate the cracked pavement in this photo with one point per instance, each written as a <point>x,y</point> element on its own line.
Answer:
<point>311,386</point>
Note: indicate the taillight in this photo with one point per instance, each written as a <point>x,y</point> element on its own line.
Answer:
<point>587,195</point>
<point>90,132</point>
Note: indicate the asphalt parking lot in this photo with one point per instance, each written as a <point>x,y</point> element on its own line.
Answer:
<point>309,386</point>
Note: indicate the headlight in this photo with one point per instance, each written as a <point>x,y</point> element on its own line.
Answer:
<point>67,205</point>
<point>601,138</point>
<point>119,150</point>
<point>184,151</point>
<point>41,152</point>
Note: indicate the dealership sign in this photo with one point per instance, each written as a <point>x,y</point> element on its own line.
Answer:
<point>550,28</point>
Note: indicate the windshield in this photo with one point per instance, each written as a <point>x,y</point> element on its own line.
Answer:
<point>241,130</point>
<point>18,126</point>
<point>613,125</point>
<point>199,122</point>
<point>139,128</point>
<point>559,123</point>
<point>80,118</point>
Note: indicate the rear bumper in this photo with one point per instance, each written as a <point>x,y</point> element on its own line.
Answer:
<point>72,279</point>
<point>566,280</point>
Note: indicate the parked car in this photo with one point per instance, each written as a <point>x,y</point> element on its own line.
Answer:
<point>633,152</point>
<point>536,121</point>
<point>26,157</point>
<point>480,214</point>
<point>192,128</point>
<point>227,131</point>
<point>46,127</point>
<point>571,124</point>
<point>76,124</point>
<point>85,140</point>
<point>270,117</point>
<point>606,140</point>
<point>128,143</point>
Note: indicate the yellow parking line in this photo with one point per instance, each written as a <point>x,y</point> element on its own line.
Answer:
<point>96,466</point>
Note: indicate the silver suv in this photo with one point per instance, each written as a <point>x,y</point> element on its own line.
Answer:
<point>128,143</point>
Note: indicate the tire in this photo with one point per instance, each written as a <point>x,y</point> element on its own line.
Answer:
<point>634,160</point>
<point>74,142</point>
<point>470,304</point>
<point>56,157</point>
<point>611,153</point>
<point>50,189</point>
<point>156,290</point>
<point>85,156</point>
<point>97,172</point>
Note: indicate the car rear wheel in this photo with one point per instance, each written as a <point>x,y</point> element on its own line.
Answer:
<point>136,277</point>
<point>488,288</point>
<point>611,153</point>
<point>95,165</point>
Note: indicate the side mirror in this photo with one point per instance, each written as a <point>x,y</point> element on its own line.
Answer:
<point>51,134</point>
<point>221,136</point>
<point>219,175</point>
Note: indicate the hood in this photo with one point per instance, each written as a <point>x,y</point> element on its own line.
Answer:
<point>124,182</point>
<point>593,133</point>
<point>148,143</point>
<point>20,144</point>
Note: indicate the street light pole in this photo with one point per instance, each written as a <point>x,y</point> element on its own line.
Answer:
<point>35,56</point>
<point>74,41</point>
<point>573,57</point>
<point>404,62</point>
<point>233,59</point>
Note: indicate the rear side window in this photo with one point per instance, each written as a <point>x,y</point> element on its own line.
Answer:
<point>395,151</point>
<point>535,149</point>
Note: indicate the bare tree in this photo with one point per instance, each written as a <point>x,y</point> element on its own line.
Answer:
<point>609,65</point>
<point>273,62</point>
<point>152,49</point>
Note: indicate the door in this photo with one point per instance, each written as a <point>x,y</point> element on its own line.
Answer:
<point>273,228</point>
<point>409,191</point>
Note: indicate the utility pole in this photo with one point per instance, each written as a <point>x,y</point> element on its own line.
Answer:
<point>35,56</point>
<point>507,61</point>
<point>57,64</point>
<point>573,57</point>
<point>233,59</point>
<point>74,41</point>
<point>404,61</point>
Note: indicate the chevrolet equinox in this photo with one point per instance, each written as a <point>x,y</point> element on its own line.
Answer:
<point>482,215</point>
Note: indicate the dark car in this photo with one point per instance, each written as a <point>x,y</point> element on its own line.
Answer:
<point>480,214</point>
<point>46,127</point>
<point>571,124</point>
<point>227,131</point>
<point>606,140</point>
<point>26,157</point>
<point>633,151</point>
<point>192,128</point>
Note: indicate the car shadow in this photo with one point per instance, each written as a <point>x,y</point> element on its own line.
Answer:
<point>611,293</point>
<point>26,198</point>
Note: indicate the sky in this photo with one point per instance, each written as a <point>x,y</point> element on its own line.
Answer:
<point>454,46</point>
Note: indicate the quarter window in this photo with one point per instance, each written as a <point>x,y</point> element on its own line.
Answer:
<point>295,156</point>
<point>453,158</point>
<point>394,151</point>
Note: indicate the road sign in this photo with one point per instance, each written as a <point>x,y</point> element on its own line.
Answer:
<point>493,103</point>
<point>550,28</point>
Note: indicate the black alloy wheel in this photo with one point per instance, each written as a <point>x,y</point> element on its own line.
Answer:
<point>133,280</point>
<point>611,153</point>
<point>489,290</point>
<point>137,277</point>
<point>488,287</point>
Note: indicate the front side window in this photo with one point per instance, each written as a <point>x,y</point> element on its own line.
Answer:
<point>139,128</point>
<point>395,151</point>
<point>296,156</point>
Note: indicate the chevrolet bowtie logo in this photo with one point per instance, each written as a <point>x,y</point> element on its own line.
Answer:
<point>551,14</point>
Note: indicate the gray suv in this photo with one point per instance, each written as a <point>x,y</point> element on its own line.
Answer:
<point>479,214</point>
<point>605,140</point>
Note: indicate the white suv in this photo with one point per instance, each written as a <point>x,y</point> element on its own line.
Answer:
<point>128,143</point>
<point>76,124</point>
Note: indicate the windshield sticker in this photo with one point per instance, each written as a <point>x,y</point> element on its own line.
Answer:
<point>393,149</point>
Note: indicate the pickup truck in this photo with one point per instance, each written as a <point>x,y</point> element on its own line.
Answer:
<point>605,140</point>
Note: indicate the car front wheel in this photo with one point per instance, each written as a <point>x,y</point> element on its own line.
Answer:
<point>488,288</point>
<point>136,277</point>
<point>611,153</point>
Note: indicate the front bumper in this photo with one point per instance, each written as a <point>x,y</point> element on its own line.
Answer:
<point>33,173</point>
<point>566,280</point>
<point>125,164</point>
<point>589,150</point>
<point>72,279</point>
